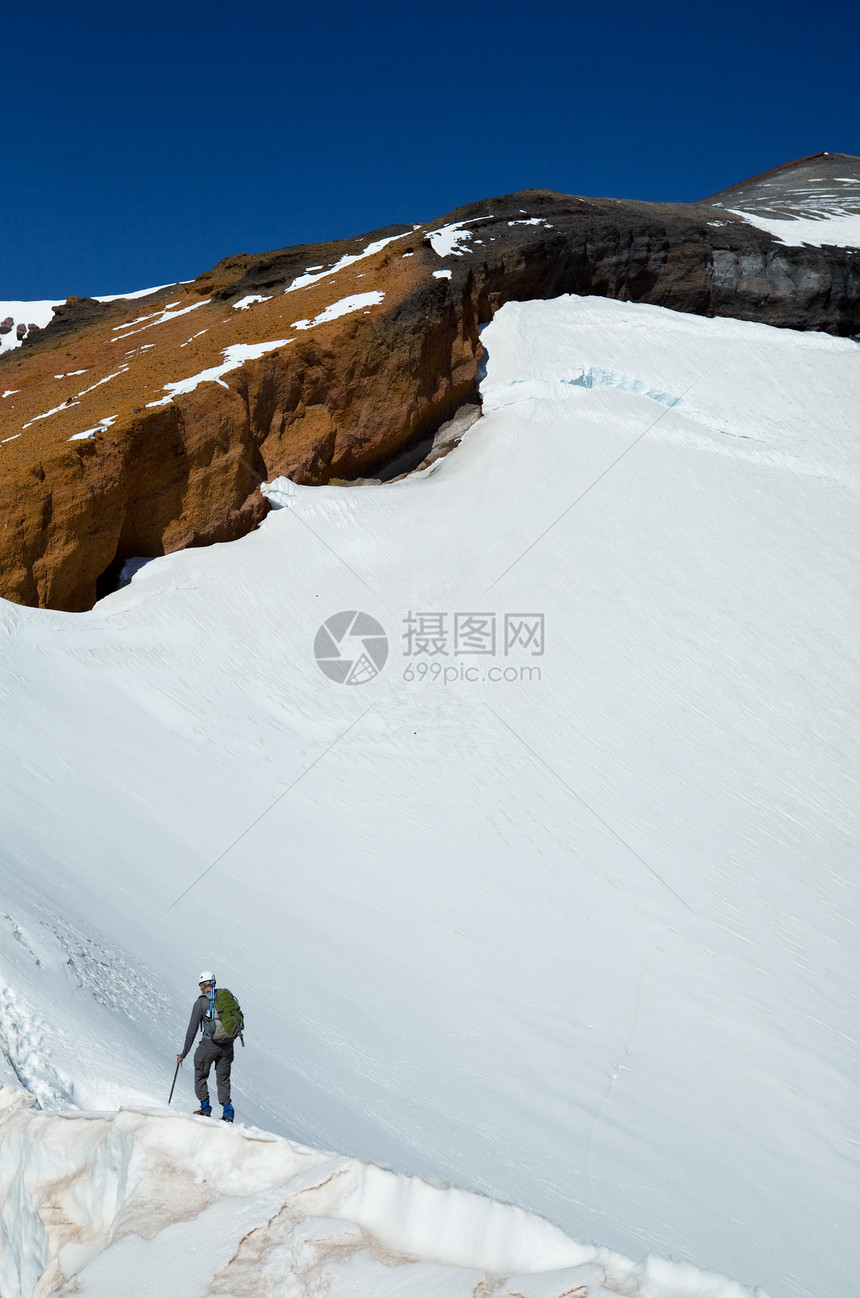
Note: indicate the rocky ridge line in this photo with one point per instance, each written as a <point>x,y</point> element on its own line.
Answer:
<point>347,355</point>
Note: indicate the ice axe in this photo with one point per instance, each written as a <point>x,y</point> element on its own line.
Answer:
<point>175,1075</point>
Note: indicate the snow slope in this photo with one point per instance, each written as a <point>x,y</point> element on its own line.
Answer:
<point>813,201</point>
<point>574,928</point>
<point>835,229</point>
<point>140,1204</point>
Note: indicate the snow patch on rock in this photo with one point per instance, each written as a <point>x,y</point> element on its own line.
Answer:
<point>451,240</point>
<point>345,306</point>
<point>245,302</point>
<point>157,318</point>
<point>234,356</point>
<point>122,370</point>
<point>302,281</point>
<point>102,426</point>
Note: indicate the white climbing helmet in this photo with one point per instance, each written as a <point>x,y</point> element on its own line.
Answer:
<point>207,976</point>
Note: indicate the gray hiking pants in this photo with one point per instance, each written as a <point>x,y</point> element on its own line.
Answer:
<point>209,1053</point>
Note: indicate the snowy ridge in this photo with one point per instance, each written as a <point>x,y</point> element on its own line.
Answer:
<point>23,314</point>
<point>42,313</point>
<point>141,1203</point>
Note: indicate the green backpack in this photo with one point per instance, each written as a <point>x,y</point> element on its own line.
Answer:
<point>226,1020</point>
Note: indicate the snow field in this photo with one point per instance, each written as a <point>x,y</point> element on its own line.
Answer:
<point>584,941</point>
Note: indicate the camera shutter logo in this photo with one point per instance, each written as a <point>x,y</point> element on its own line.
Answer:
<point>351,647</point>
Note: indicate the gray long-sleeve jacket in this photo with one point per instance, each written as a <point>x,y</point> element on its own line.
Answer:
<point>199,1012</point>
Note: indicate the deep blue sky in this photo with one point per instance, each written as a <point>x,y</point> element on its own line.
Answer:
<point>142,143</point>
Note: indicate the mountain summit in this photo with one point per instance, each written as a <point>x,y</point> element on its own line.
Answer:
<point>820,187</point>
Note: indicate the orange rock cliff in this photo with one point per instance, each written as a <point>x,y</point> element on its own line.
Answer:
<point>142,426</point>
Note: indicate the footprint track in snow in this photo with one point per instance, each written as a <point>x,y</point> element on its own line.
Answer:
<point>23,1043</point>
<point>107,977</point>
<point>17,933</point>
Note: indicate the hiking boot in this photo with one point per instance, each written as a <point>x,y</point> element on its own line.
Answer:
<point>205,1110</point>
<point>227,1115</point>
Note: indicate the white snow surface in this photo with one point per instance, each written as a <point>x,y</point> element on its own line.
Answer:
<point>345,306</point>
<point>585,942</point>
<point>142,1203</point>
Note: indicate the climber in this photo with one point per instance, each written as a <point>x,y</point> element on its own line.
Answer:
<point>221,1019</point>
